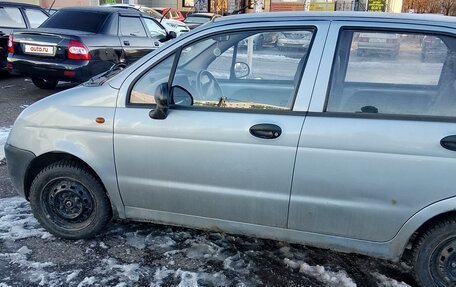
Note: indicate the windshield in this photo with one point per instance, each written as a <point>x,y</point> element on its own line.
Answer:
<point>88,21</point>
<point>197,19</point>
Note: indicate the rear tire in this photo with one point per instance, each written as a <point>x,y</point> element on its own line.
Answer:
<point>434,256</point>
<point>45,84</point>
<point>69,201</point>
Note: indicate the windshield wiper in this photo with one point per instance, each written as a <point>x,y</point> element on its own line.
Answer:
<point>101,78</point>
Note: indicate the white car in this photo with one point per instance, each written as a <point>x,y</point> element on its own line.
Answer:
<point>170,25</point>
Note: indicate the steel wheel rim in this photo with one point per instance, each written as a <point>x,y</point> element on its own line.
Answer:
<point>443,263</point>
<point>68,203</point>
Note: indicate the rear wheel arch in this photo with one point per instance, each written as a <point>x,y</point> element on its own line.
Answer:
<point>429,224</point>
<point>44,160</point>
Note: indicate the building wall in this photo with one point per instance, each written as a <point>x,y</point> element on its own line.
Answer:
<point>36,2</point>
<point>159,3</point>
<point>395,6</point>
<point>63,3</point>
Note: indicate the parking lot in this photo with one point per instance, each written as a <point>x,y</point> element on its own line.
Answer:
<point>140,254</point>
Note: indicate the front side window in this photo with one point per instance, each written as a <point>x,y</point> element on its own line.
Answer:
<point>144,89</point>
<point>384,72</point>
<point>131,27</point>
<point>244,70</point>
<point>35,17</point>
<point>11,18</point>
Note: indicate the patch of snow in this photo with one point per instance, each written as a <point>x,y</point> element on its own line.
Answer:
<point>16,221</point>
<point>388,282</point>
<point>24,106</point>
<point>103,245</point>
<point>87,281</point>
<point>123,271</point>
<point>35,271</point>
<point>136,240</point>
<point>4,132</point>
<point>189,279</point>
<point>72,276</point>
<point>330,278</point>
<point>4,285</point>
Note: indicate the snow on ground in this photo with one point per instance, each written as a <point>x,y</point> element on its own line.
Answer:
<point>4,132</point>
<point>134,254</point>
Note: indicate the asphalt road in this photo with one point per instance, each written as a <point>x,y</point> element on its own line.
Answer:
<point>139,254</point>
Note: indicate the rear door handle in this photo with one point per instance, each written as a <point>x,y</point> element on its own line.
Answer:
<point>449,142</point>
<point>266,131</point>
<point>126,43</point>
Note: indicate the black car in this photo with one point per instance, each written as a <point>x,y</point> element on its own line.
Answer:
<point>197,19</point>
<point>16,16</point>
<point>76,44</point>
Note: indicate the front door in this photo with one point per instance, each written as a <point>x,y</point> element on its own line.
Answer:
<point>134,39</point>
<point>228,152</point>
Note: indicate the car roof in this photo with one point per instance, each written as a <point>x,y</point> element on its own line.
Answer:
<point>106,9</point>
<point>202,14</point>
<point>340,16</point>
<point>15,4</point>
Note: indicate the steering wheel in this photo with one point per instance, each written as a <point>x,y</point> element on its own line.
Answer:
<point>208,87</point>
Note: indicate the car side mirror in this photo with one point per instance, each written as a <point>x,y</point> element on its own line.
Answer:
<point>241,70</point>
<point>181,97</point>
<point>161,99</point>
<point>172,35</point>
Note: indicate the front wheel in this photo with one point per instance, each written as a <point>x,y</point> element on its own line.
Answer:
<point>435,255</point>
<point>69,201</point>
<point>45,84</point>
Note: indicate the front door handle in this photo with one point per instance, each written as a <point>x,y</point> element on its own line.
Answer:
<point>449,142</point>
<point>266,131</point>
<point>126,43</point>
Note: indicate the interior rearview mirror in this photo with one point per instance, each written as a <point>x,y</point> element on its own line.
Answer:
<point>241,70</point>
<point>161,99</point>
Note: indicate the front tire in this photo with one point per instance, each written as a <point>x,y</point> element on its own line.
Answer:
<point>69,201</point>
<point>435,255</point>
<point>45,84</point>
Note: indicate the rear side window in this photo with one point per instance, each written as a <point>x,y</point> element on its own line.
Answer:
<point>36,17</point>
<point>87,21</point>
<point>131,26</point>
<point>11,18</point>
<point>384,72</point>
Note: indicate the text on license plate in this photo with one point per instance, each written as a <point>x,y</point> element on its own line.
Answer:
<point>43,50</point>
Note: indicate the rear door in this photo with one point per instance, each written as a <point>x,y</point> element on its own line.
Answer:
<point>371,153</point>
<point>134,38</point>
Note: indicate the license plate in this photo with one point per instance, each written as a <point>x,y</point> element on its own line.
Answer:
<point>39,50</point>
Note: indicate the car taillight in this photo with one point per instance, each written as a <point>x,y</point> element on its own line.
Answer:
<point>78,51</point>
<point>10,44</point>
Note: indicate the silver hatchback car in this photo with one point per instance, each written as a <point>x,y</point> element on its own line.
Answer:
<point>319,146</point>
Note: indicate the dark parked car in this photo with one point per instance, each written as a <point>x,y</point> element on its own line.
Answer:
<point>76,44</point>
<point>197,19</point>
<point>16,16</point>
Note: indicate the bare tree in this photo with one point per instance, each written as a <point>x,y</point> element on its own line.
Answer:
<point>448,6</point>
